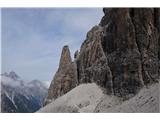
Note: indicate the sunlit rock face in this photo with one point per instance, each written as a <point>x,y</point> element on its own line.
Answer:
<point>65,78</point>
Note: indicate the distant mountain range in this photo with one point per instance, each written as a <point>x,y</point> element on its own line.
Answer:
<point>19,96</point>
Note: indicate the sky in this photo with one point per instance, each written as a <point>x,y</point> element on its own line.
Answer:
<point>32,38</point>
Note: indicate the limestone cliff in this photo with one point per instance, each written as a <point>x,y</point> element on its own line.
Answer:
<point>130,44</point>
<point>121,54</point>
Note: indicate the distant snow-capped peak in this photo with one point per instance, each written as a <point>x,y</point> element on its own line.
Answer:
<point>23,95</point>
<point>13,80</point>
<point>13,75</point>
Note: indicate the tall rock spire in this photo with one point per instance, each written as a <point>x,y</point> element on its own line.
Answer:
<point>65,57</point>
<point>65,78</point>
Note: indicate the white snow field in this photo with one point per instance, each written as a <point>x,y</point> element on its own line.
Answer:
<point>90,98</point>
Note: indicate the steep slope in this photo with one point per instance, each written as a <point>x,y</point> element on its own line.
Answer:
<point>146,101</point>
<point>83,98</point>
<point>90,98</point>
<point>19,96</point>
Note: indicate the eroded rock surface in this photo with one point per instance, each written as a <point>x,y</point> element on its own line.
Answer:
<point>65,78</point>
<point>121,54</point>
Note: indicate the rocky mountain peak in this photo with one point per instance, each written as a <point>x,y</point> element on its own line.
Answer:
<point>65,57</point>
<point>18,95</point>
<point>121,54</point>
<point>65,78</point>
<point>12,75</point>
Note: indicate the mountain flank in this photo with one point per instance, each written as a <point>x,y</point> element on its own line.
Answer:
<point>121,55</point>
<point>19,96</point>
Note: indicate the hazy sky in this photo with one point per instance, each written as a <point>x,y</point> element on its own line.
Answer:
<point>32,39</point>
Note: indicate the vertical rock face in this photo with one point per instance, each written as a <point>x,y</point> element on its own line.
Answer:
<point>65,78</point>
<point>157,24</point>
<point>65,59</point>
<point>129,48</point>
<point>121,54</point>
<point>121,58</point>
<point>92,63</point>
<point>147,41</point>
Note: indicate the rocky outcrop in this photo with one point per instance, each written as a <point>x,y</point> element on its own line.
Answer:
<point>121,54</point>
<point>157,24</point>
<point>65,78</point>
<point>131,45</point>
<point>127,58</point>
<point>92,63</point>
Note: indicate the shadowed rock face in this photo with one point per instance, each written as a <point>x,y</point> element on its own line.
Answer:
<point>129,48</point>
<point>121,54</point>
<point>157,24</point>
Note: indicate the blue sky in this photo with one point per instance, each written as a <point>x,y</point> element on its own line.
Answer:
<point>32,38</point>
